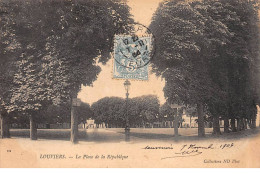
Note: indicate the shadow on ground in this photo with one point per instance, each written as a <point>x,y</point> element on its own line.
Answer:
<point>93,135</point>
<point>136,135</point>
<point>60,134</point>
<point>151,136</point>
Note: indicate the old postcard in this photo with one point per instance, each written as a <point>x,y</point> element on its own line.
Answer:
<point>129,84</point>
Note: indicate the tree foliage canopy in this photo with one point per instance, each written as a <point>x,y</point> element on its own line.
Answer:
<point>112,110</point>
<point>56,46</point>
<point>206,52</point>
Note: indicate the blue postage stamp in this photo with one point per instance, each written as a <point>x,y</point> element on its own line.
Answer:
<point>131,57</point>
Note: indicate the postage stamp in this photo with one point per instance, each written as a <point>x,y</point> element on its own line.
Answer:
<point>131,57</point>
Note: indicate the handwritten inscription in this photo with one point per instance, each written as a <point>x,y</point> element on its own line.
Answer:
<point>189,150</point>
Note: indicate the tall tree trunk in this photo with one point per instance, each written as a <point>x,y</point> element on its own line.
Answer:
<point>33,128</point>
<point>226,125</point>
<point>242,123</point>
<point>238,124</point>
<point>74,121</point>
<point>201,126</point>
<point>253,123</point>
<point>190,121</point>
<point>7,128</point>
<point>245,123</point>
<point>258,114</point>
<point>5,133</point>
<point>2,126</point>
<point>233,125</point>
<point>216,127</point>
<point>175,124</point>
<point>249,122</point>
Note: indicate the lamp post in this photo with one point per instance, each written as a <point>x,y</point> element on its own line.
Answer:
<point>74,120</point>
<point>177,119</point>
<point>127,126</point>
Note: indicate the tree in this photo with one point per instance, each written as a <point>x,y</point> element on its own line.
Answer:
<point>143,109</point>
<point>54,114</point>
<point>217,63</point>
<point>84,112</point>
<point>166,113</point>
<point>31,87</point>
<point>82,23</point>
<point>8,47</point>
<point>245,49</point>
<point>110,110</point>
<point>191,111</point>
<point>239,57</point>
<point>184,37</point>
<point>61,43</point>
<point>175,114</point>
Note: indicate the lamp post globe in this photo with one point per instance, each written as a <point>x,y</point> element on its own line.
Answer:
<point>127,85</point>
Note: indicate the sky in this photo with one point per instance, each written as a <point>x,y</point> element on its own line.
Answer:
<point>104,86</point>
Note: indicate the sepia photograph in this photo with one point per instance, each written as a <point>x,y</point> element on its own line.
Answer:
<point>129,84</point>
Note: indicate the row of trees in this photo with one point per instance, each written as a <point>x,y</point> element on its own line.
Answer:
<point>49,49</point>
<point>208,54</point>
<point>112,110</point>
<point>53,114</point>
<point>108,110</point>
<point>142,111</point>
